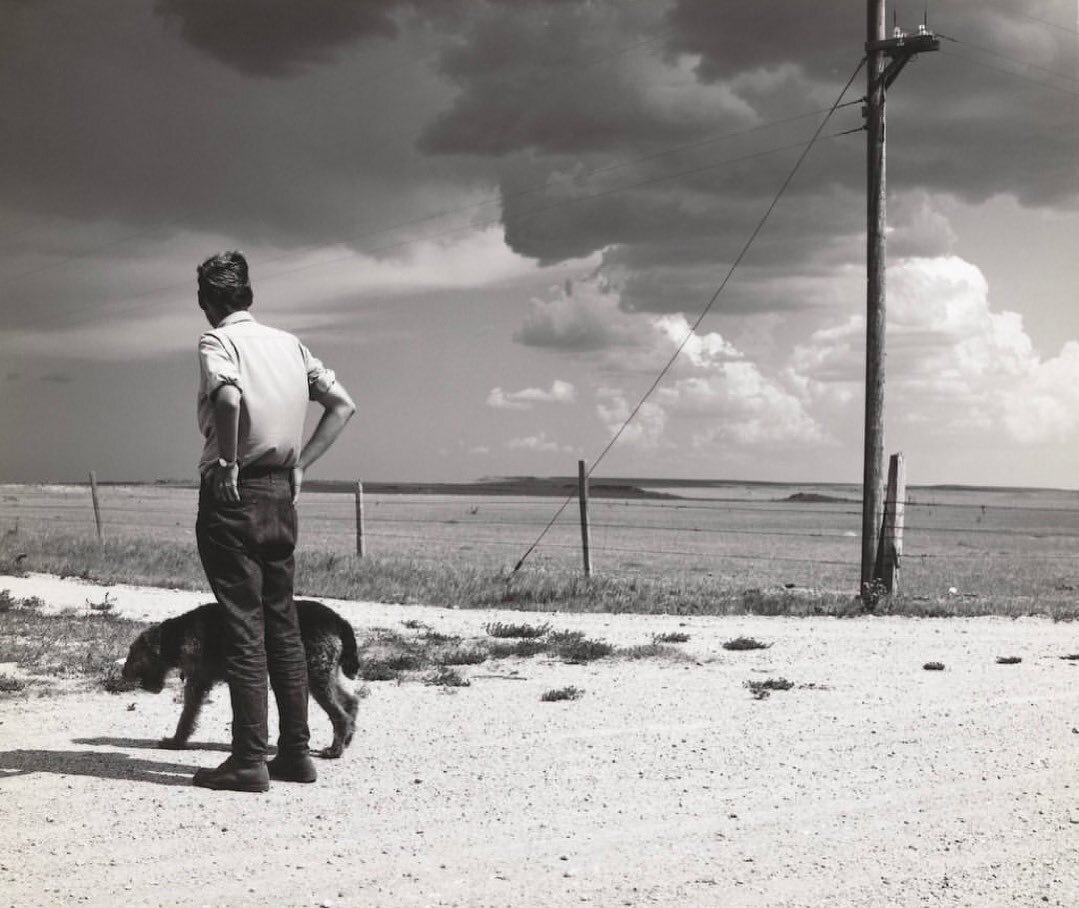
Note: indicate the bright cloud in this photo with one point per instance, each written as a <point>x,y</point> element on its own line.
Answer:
<point>561,392</point>
<point>540,443</point>
<point>959,364</point>
<point>579,317</point>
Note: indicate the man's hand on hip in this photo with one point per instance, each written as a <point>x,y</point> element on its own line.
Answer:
<point>225,482</point>
<point>296,480</point>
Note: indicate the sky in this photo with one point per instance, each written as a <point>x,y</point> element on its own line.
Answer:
<point>497,220</point>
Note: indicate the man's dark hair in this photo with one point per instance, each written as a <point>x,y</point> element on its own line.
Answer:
<point>223,279</point>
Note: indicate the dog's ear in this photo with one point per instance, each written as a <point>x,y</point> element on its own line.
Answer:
<point>170,638</point>
<point>152,637</point>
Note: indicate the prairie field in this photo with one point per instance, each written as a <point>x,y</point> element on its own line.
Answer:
<point>964,548</point>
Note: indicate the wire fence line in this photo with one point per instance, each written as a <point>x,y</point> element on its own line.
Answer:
<point>1007,543</point>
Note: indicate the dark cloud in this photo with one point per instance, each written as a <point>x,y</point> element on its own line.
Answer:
<point>57,378</point>
<point>278,37</point>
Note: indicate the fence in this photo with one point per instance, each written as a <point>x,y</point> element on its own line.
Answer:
<point>956,541</point>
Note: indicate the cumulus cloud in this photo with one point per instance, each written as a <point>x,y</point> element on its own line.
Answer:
<point>578,317</point>
<point>539,443</point>
<point>647,428</point>
<point>954,363</point>
<point>561,392</point>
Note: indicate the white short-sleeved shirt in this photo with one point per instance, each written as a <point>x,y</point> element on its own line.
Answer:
<point>276,375</point>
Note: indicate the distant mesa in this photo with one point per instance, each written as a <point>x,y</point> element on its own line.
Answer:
<point>817,498</point>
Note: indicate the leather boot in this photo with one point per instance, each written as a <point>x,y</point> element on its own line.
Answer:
<point>234,776</point>
<point>292,768</point>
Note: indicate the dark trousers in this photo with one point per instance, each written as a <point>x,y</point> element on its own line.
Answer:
<point>247,549</point>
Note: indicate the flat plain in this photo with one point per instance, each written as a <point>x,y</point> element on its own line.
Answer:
<point>1015,545</point>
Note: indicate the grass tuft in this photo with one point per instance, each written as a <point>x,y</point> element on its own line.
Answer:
<point>934,666</point>
<point>674,637</point>
<point>653,651</point>
<point>524,631</point>
<point>12,685</point>
<point>761,690</point>
<point>573,646</point>
<point>525,649</point>
<point>1009,660</point>
<point>745,643</point>
<point>461,655</point>
<point>446,677</point>
<point>562,693</point>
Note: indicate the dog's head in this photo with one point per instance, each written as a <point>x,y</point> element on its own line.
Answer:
<point>145,663</point>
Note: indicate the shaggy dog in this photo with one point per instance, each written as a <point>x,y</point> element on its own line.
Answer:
<point>194,643</point>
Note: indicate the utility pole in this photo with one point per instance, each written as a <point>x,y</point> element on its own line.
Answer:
<point>885,57</point>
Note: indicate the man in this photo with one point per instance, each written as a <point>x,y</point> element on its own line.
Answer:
<point>254,386</point>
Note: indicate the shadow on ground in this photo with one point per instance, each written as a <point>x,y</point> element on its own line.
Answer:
<point>98,764</point>
<point>151,744</point>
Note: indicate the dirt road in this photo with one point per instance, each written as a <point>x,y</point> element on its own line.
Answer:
<point>872,782</point>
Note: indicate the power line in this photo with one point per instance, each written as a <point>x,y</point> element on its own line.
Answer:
<point>1015,60</point>
<point>707,308</point>
<point>1070,31</point>
<point>981,63</point>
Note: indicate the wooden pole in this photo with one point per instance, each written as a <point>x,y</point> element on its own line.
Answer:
<point>359,520</point>
<point>582,491</point>
<point>876,218</point>
<point>97,504</point>
<point>891,533</point>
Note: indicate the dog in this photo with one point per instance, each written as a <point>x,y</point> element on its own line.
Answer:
<point>194,643</point>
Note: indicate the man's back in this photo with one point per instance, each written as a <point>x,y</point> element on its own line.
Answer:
<point>276,375</point>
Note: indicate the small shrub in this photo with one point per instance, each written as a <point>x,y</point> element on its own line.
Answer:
<point>1009,660</point>
<point>104,606</point>
<point>446,677</point>
<point>7,601</point>
<point>1071,657</point>
<point>934,666</point>
<point>525,648</point>
<point>525,631</point>
<point>763,689</point>
<point>745,643</point>
<point>436,637</point>
<point>562,693</point>
<point>653,651</point>
<point>675,637</point>
<point>415,625</point>
<point>377,670</point>
<point>12,685</point>
<point>113,681</point>
<point>462,655</point>
<point>573,646</point>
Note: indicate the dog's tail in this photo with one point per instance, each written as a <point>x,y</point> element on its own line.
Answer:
<point>350,655</point>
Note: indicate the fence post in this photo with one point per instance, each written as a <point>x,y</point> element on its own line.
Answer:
<point>359,519</point>
<point>582,491</point>
<point>97,506</point>
<point>891,531</point>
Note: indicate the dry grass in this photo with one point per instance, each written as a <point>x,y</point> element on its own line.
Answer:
<point>745,643</point>
<point>141,559</point>
<point>70,646</point>
<point>562,693</point>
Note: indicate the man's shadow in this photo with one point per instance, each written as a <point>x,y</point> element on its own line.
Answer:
<point>100,764</point>
<point>151,744</point>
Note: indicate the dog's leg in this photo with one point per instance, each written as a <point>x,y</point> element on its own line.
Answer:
<point>195,691</point>
<point>352,707</point>
<point>323,686</point>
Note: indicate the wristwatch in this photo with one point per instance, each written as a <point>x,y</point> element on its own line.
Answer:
<point>225,464</point>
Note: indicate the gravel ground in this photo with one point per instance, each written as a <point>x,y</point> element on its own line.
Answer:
<point>871,782</point>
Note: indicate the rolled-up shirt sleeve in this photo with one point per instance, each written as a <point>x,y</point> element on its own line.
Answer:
<point>217,365</point>
<point>319,378</point>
